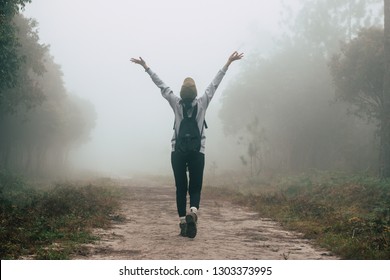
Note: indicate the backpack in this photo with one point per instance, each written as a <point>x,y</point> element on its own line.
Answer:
<point>189,137</point>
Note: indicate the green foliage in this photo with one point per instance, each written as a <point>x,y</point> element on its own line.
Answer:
<point>12,59</point>
<point>9,59</point>
<point>25,92</point>
<point>358,73</point>
<point>50,223</point>
<point>39,121</point>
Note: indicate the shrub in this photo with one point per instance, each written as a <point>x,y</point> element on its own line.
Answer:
<point>32,220</point>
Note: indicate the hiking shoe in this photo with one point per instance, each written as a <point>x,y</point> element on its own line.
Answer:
<point>191,220</point>
<point>183,229</point>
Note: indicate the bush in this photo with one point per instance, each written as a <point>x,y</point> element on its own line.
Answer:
<point>32,220</point>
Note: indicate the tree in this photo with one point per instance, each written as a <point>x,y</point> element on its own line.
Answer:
<point>290,92</point>
<point>257,146</point>
<point>358,73</point>
<point>21,89</point>
<point>361,76</point>
<point>323,23</point>
<point>37,141</point>
<point>385,135</point>
<point>46,122</point>
<point>10,59</point>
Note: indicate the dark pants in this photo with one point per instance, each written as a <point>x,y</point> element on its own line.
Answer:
<point>195,164</point>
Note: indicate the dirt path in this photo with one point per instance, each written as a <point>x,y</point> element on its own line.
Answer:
<point>225,231</point>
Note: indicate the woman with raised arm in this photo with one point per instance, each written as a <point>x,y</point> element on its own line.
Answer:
<point>188,141</point>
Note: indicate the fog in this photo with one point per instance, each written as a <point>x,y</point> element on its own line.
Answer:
<point>93,41</point>
<point>292,104</point>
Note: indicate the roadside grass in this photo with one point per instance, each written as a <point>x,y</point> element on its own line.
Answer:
<point>346,214</point>
<point>51,222</point>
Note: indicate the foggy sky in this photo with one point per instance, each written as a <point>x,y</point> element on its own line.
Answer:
<point>93,41</point>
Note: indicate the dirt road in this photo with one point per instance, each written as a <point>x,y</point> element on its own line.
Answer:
<point>225,231</point>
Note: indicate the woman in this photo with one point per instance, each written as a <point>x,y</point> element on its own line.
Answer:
<point>187,150</point>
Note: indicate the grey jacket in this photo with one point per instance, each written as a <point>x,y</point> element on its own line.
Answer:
<point>176,104</point>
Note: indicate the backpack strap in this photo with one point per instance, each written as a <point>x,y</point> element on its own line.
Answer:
<point>194,112</point>
<point>193,116</point>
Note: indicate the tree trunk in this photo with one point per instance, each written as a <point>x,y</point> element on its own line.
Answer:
<point>385,122</point>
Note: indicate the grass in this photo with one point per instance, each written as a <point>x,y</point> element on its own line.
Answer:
<point>347,214</point>
<point>50,222</point>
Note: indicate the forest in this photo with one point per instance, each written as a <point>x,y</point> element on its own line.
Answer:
<point>40,121</point>
<point>309,121</point>
<point>318,101</point>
